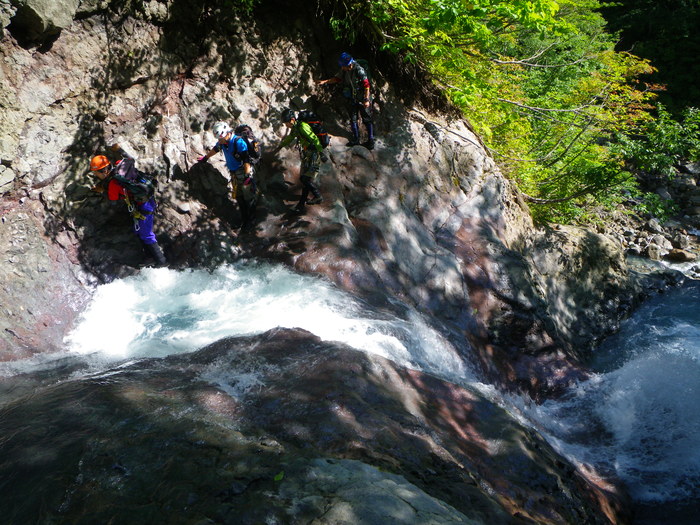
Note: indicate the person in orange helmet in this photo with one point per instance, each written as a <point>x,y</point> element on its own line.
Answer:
<point>122,181</point>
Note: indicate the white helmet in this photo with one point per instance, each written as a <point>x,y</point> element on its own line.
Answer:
<point>221,129</point>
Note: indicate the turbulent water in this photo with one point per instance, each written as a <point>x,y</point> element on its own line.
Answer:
<point>638,417</point>
<point>161,312</point>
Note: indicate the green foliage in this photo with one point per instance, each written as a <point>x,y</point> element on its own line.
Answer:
<point>663,142</point>
<point>653,204</point>
<point>539,80</point>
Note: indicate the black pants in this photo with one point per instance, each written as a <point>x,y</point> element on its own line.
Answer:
<point>355,110</point>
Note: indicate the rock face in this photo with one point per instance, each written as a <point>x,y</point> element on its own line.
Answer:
<point>37,20</point>
<point>327,434</point>
<point>43,284</point>
<point>426,217</point>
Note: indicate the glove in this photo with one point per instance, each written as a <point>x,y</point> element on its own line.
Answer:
<point>203,158</point>
<point>324,157</point>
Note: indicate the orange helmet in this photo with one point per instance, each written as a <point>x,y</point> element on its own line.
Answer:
<point>98,163</point>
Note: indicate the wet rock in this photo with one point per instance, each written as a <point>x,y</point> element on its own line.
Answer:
<point>678,255</point>
<point>40,283</point>
<point>359,493</point>
<point>654,252</point>
<point>634,249</point>
<point>330,433</point>
<point>680,241</point>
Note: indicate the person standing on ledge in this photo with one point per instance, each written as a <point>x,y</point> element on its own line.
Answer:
<point>122,181</point>
<point>356,90</point>
<point>311,156</point>
<point>243,188</point>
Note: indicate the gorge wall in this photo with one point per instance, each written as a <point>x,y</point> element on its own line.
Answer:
<point>426,217</point>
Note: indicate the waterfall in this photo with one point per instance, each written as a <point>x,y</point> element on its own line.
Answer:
<point>637,417</point>
<point>160,312</point>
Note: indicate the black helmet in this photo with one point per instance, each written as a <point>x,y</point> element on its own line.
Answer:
<point>240,129</point>
<point>288,115</point>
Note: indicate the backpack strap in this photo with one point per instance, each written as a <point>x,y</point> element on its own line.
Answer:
<point>237,153</point>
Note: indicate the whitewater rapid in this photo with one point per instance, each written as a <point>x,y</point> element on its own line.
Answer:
<point>161,312</point>
<point>637,417</point>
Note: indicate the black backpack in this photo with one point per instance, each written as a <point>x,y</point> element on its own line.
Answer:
<point>141,185</point>
<point>245,132</point>
<point>316,126</point>
<point>364,64</point>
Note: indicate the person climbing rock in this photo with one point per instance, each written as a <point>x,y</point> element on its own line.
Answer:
<point>122,181</point>
<point>244,190</point>
<point>312,155</point>
<point>356,90</point>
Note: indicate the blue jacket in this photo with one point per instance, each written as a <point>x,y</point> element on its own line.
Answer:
<point>236,147</point>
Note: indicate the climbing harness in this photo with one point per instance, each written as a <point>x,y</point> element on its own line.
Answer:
<point>135,213</point>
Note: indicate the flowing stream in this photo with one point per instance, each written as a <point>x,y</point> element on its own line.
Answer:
<point>638,417</point>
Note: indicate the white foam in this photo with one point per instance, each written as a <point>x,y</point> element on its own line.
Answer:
<point>163,311</point>
<point>640,414</point>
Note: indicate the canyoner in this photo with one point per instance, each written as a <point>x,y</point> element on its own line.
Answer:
<point>240,159</point>
<point>358,98</point>
<point>122,181</point>
<point>311,152</point>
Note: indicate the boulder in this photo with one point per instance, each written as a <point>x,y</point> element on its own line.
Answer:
<point>37,20</point>
<point>327,435</point>
<point>654,252</point>
<point>680,240</point>
<point>654,226</point>
<point>662,241</point>
<point>678,255</point>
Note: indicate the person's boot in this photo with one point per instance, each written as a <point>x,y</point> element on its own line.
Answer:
<point>249,221</point>
<point>370,137</point>
<point>355,140</point>
<point>244,209</point>
<point>301,206</point>
<point>317,199</point>
<point>157,253</point>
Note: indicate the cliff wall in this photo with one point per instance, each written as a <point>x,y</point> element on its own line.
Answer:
<point>425,217</point>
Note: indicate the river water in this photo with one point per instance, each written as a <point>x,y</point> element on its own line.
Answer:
<point>637,417</point>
